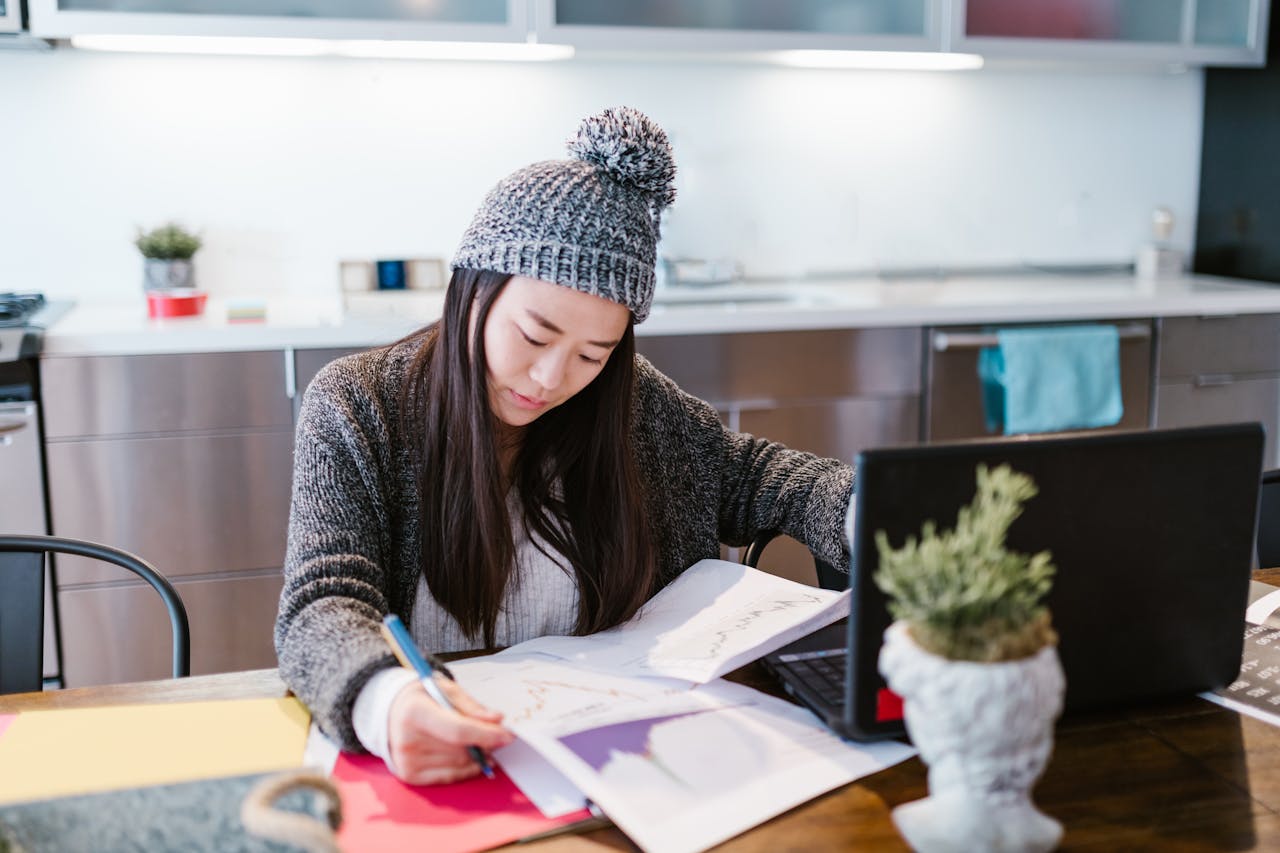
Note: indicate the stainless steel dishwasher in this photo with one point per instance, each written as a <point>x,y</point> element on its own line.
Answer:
<point>953,392</point>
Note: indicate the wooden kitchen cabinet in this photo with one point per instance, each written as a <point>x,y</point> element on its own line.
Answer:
<point>1220,370</point>
<point>185,460</point>
<point>829,392</point>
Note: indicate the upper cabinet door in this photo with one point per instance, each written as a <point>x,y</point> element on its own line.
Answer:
<point>438,20</point>
<point>1199,32</point>
<point>742,25</point>
<point>10,16</point>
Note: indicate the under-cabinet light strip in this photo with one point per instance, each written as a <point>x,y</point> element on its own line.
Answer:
<point>489,51</point>
<point>889,60</point>
<point>364,48</point>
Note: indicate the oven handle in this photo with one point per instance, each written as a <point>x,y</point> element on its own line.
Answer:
<point>943,341</point>
<point>12,426</point>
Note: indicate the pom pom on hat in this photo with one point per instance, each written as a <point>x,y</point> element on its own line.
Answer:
<point>630,148</point>
<point>591,222</point>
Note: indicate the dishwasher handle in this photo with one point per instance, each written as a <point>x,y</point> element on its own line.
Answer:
<point>944,341</point>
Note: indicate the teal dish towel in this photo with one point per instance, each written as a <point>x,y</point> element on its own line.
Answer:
<point>1051,378</point>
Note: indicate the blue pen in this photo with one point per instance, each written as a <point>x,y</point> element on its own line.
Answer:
<point>407,653</point>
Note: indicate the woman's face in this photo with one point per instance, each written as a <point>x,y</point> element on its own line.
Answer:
<point>544,343</point>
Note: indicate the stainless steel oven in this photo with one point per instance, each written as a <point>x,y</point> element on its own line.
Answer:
<point>23,503</point>
<point>953,392</point>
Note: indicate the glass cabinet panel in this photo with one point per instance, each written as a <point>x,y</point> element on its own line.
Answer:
<point>1088,20</point>
<point>438,11</point>
<point>844,17</point>
<point>428,20</point>
<point>10,17</point>
<point>1223,22</point>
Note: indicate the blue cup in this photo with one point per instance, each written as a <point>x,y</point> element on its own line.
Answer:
<point>391,275</point>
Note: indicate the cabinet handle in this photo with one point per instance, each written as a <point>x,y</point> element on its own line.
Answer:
<point>290,374</point>
<point>943,341</point>
<point>1212,380</point>
<point>12,426</point>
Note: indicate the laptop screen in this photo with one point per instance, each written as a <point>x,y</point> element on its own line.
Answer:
<point>1151,532</point>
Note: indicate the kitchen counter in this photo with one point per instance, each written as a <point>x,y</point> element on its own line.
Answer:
<point>124,329</point>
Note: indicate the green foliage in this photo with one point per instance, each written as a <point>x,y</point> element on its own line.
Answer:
<point>962,594</point>
<point>169,242</point>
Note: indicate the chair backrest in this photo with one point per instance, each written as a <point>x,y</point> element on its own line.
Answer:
<point>22,605</point>
<point>1269,520</point>
<point>829,577</point>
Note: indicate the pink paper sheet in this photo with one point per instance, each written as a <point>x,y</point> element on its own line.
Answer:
<point>382,813</point>
<point>5,720</point>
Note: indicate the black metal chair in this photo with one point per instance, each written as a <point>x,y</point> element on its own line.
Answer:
<point>829,577</point>
<point>1269,520</point>
<point>22,605</point>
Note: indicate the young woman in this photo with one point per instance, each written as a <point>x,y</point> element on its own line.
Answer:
<point>515,469</point>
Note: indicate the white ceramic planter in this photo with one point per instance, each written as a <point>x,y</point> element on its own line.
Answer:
<point>986,732</point>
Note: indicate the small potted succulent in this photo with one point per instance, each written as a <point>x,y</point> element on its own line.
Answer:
<point>167,250</point>
<point>974,657</point>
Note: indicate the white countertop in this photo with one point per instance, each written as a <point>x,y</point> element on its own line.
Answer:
<point>124,329</point>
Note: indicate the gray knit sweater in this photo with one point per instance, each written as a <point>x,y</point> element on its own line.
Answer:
<point>353,552</point>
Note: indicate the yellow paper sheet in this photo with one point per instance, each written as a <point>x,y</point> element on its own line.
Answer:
<point>81,750</point>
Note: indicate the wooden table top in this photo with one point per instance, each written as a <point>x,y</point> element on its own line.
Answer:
<point>1185,776</point>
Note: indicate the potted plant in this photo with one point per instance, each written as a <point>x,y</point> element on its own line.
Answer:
<point>167,250</point>
<point>974,657</point>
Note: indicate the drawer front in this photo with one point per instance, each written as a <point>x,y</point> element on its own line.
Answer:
<point>307,363</point>
<point>187,504</point>
<point>837,428</point>
<point>1192,346</point>
<point>953,403</point>
<point>121,633</point>
<point>123,395</point>
<point>775,366</point>
<point>1187,404</point>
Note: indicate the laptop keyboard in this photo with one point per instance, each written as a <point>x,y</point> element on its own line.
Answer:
<point>821,671</point>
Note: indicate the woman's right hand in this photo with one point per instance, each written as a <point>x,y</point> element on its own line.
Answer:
<point>428,743</point>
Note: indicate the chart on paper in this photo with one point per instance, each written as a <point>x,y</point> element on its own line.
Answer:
<point>536,689</point>
<point>683,780</point>
<point>666,760</point>
<point>714,618</point>
<point>701,641</point>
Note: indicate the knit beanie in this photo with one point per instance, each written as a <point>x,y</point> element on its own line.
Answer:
<point>590,222</point>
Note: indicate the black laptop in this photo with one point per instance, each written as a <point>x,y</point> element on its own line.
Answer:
<point>1152,534</point>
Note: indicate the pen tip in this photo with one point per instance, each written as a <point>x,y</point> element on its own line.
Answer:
<point>488,771</point>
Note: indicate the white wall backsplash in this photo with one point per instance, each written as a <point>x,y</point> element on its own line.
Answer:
<point>288,165</point>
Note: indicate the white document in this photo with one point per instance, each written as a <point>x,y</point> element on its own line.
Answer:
<point>714,618</point>
<point>701,768</point>
<point>531,690</point>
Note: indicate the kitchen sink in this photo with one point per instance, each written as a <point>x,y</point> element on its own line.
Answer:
<point>734,295</point>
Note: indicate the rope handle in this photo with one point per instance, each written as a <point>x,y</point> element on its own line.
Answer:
<point>261,818</point>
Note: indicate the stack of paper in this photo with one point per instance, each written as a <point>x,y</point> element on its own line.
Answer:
<point>635,718</point>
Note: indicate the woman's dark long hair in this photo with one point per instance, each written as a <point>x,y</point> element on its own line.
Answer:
<point>575,474</point>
